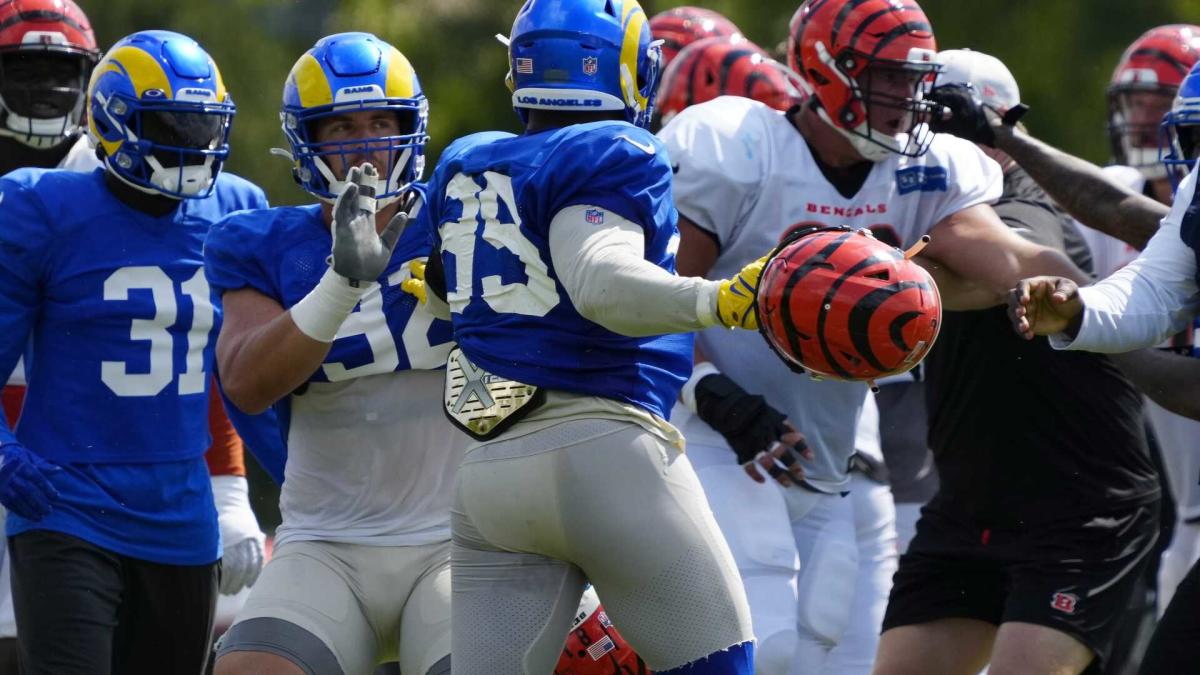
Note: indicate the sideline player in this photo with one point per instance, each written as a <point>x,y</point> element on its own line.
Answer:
<point>112,527</point>
<point>559,279</point>
<point>855,153</point>
<point>361,568</point>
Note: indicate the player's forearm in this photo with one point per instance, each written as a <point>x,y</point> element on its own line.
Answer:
<point>266,365</point>
<point>611,284</point>
<point>263,354</point>
<point>1083,190</point>
<point>1169,379</point>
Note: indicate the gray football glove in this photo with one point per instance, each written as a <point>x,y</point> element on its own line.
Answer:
<point>359,253</point>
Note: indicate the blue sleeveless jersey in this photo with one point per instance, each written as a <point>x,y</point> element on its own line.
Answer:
<point>122,322</point>
<point>491,200</point>
<point>281,253</point>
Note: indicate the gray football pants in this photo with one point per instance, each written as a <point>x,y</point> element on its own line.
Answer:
<point>597,500</point>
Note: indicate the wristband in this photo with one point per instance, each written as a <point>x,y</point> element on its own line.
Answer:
<point>688,393</point>
<point>321,313</point>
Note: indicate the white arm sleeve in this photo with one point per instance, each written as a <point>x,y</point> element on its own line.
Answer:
<point>1146,301</point>
<point>605,273</point>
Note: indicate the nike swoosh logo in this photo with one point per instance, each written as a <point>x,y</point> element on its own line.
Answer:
<point>647,148</point>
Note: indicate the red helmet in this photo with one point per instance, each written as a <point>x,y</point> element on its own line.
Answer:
<point>47,52</point>
<point>723,66</point>
<point>1142,89</point>
<point>865,59</point>
<point>841,304</point>
<point>594,647</point>
<point>682,26</point>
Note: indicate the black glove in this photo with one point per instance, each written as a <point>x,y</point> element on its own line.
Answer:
<point>744,419</point>
<point>964,116</point>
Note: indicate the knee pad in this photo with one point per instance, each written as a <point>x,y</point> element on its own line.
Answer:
<point>826,587</point>
<point>737,660</point>
<point>775,652</point>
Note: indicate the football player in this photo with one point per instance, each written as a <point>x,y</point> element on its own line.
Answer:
<point>558,248</point>
<point>316,323</point>
<point>856,152</point>
<point>47,53</point>
<point>112,527</point>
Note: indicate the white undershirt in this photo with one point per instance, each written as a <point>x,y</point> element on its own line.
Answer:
<point>1149,299</point>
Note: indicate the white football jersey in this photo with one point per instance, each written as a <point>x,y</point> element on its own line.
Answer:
<point>745,175</point>
<point>81,157</point>
<point>371,461</point>
<point>1178,436</point>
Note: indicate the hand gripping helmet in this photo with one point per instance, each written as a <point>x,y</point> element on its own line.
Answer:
<point>594,647</point>
<point>1180,138</point>
<point>160,115</point>
<point>47,52</point>
<point>723,66</point>
<point>1142,88</point>
<point>867,64</point>
<point>838,303</point>
<point>681,26</point>
<point>351,72</point>
<point>583,55</point>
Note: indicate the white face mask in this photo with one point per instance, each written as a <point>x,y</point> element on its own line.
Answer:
<point>40,134</point>
<point>189,181</point>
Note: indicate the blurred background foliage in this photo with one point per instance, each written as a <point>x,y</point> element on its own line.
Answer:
<point>1062,53</point>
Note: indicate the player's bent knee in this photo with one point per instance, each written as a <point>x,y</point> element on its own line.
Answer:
<point>271,645</point>
<point>736,660</point>
<point>774,653</point>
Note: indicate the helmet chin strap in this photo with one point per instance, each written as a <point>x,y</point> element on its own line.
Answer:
<point>869,147</point>
<point>1146,161</point>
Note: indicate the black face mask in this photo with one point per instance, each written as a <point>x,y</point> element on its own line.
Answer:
<point>1189,141</point>
<point>42,84</point>
<point>191,130</point>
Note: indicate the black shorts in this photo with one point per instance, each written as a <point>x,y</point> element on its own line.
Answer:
<point>84,610</point>
<point>1073,575</point>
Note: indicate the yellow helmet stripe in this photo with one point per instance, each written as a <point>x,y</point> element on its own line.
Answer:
<point>399,76</point>
<point>143,70</point>
<point>220,80</point>
<point>311,82</point>
<point>634,18</point>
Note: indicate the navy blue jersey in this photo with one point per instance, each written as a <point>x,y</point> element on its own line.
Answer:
<point>122,322</point>
<point>281,253</point>
<point>491,200</point>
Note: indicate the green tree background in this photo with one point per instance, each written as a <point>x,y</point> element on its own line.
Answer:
<point>1062,53</point>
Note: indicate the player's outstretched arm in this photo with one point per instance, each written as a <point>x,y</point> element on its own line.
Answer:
<point>1083,190</point>
<point>609,281</point>
<point>1169,379</point>
<point>1076,184</point>
<point>976,247</point>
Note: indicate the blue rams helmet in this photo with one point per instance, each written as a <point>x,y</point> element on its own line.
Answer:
<point>345,73</point>
<point>1179,142</point>
<point>160,115</point>
<point>580,55</point>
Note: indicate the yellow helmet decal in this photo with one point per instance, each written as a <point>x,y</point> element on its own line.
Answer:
<point>311,82</point>
<point>634,18</point>
<point>221,93</point>
<point>399,76</point>
<point>143,70</point>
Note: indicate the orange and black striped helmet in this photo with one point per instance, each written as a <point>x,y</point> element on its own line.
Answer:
<point>723,66</point>
<point>838,303</point>
<point>681,26</point>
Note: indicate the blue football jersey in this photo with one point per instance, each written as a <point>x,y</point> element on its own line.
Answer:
<point>282,254</point>
<point>492,198</point>
<point>122,322</point>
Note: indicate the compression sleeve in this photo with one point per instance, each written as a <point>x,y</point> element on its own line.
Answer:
<point>610,282</point>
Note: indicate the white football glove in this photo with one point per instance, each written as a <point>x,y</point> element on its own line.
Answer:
<point>242,555</point>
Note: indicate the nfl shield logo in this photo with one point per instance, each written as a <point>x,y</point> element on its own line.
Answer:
<point>594,216</point>
<point>590,65</point>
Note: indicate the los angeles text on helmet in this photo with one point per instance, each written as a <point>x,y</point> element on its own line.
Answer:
<point>560,102</point>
